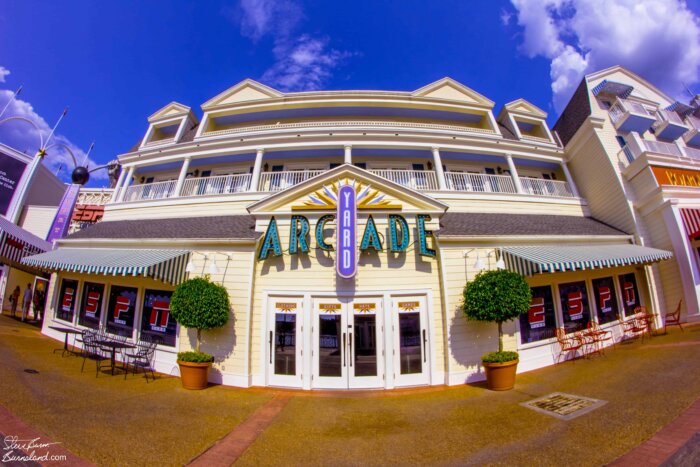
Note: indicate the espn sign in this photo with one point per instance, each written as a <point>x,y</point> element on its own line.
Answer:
<point>160,315</point>
<point>88,213</point>
<point>575,305</point>
<point>122,306</point>
<point>92,304</point>
<point>535,316</point>
<point>604,299</point>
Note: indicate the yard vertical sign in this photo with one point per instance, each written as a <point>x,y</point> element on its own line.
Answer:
<point>346,241</point>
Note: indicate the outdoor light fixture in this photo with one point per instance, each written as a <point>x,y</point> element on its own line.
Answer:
<point>190,266</point>
<point>500,264</point>
<point>228,260</point>
<point>479,265</point>
<point>212,267</point>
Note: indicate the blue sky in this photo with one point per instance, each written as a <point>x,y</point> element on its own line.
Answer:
<point>115,63</point>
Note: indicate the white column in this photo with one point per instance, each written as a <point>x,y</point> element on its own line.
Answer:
<point>118,185</point>
<point>569,179</point>
<point>257,168</point>
<point>127,182</point>
<point>348,154</point>
<point>24,185</point>
<point>181,177</point>
<point>437,162</point>
<point>514,174</point>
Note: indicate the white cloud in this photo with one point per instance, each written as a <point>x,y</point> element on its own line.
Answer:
<point>303,65</point>
<point>302,62</point>
<point>657,39</point>
<point>25,138</point>
<point>3,73</point>
<point>260,17</point>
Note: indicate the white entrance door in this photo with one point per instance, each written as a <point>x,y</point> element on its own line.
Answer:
<point>284,341</point>
<point>411,349</point>
<point>347,343</point>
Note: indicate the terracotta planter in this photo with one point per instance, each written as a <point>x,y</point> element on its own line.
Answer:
<point>500,376</point>
<point>194,375</point>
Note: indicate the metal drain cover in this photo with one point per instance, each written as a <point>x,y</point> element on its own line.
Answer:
<point>563,406</point>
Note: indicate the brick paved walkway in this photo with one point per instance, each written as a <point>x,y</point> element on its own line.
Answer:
<point>671,438</point>
<point>227,450</point>
<point>14,428</point>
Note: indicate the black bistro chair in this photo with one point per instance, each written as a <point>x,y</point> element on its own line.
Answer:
<point>93,351</point>
<point>142,358</point>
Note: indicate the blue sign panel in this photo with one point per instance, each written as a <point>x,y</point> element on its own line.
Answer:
<point>346,243</point>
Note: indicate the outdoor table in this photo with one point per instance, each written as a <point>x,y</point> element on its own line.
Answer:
<point>113,346</point>
<point>66,331</point>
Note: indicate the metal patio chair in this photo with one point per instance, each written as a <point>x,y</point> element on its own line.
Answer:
<point>567,343</point>
<point>142,358</point>
<point>674,318</point>
<point>93,351</point>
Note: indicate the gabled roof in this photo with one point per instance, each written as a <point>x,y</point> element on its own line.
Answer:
<point>391,193</point>
<point>238,227</point>
<point>172,110</point>
<point>522,106</point>
<point>617,68</point>
<point>246,90</point>
<point>448,88</point>
<point>479,224</point>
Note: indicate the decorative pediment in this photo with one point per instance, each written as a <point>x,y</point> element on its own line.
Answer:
<point>373,192</point>
<point>524,107</point>
<point>447,88</point>
<point>172,110</point>
<point>246,90</point>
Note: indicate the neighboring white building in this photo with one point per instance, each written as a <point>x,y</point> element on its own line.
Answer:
<point>635,155</point>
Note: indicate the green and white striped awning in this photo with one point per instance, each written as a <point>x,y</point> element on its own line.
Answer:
<point>534,259</point>
<point>163,265</point>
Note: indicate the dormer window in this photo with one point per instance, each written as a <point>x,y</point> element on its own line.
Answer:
<point>169,124</point>
<point>531,128</point>
<point>164,132</point>
<point>526,121</point>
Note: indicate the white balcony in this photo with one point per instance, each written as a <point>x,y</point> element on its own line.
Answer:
<point>482,183</point>
<point>416,179</point>
<point>218,185</point>
<point>692,136</point>
<point>351,124</point>
<point>669,125</point>
<point>631,116</point>
<point>157,190</point>
<point>277,181</point>
<point>542,187</point>
<point>637,146</point>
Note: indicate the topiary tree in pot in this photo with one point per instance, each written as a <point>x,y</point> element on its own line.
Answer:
<point>198,304</point>
<point>497,296</point>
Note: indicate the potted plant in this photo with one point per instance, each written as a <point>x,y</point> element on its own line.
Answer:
<point>198,304</point>
<point>498,296</point>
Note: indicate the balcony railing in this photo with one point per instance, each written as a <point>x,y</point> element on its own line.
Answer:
<point>669,125</point>
<point>631,116</point>
<point>277,181</point>
<point>542,187</point>
<point>422,180</point>
<point>157,190</point>
<point>660,147</point>
<point>416,179</point>
<point>220,184</point>
<point>484,183</point>
<point>348,123</point>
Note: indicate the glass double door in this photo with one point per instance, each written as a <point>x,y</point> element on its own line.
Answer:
<point>347,343</point>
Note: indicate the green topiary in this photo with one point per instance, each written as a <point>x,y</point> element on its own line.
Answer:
<point>195,357</point>
<point>497,296</point>
<point>200,304</point>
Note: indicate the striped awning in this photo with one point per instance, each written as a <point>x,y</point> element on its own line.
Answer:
<point>535,259</point>
<point>691,221</point>
<point>16,243</point>
<point>680,108</point>
<point>163,265</point>
<point>613,88</point>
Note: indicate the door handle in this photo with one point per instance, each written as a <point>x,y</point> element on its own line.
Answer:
<point>350,348</point>
<point>344,353</point>
<point>270,347</point>
<point>425,344</point>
